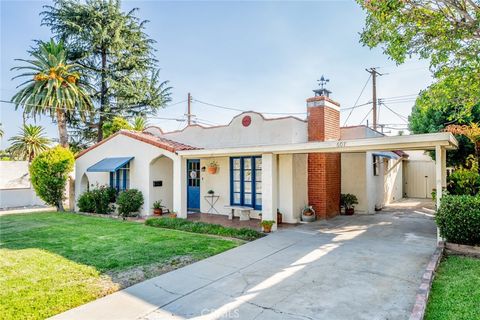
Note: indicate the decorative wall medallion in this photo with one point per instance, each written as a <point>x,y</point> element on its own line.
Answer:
<point>246,121</point>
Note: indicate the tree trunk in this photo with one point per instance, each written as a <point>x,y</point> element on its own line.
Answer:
<point>103,95</point>
<point>60,206</point>
<point>62,127</point>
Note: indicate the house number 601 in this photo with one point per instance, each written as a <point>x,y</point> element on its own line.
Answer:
<point>341,144</point>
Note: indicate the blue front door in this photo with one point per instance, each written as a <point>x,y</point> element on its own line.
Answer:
<point>193,185</point>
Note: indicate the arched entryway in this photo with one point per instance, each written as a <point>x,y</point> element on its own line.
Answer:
<point>161,182</point>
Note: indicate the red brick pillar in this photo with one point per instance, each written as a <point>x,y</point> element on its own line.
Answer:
<point>324,168</point>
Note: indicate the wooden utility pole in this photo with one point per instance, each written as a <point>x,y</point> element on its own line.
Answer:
<point>189,112</point>
<point>373,72</point>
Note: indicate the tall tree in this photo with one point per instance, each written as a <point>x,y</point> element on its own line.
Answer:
<point>30,142</point>
<point>113,46</point>
<point>445,32</point>
<point>52,87</point>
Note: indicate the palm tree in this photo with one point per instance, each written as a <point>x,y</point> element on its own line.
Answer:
<point>53,87</point>
<point>31,141</point>
<point>1,131</point>
<point>139,123</point>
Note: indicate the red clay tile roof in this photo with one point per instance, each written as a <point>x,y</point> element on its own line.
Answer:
<point>160,142</point>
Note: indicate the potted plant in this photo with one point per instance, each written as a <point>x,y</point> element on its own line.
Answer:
<point>348,201</point>
<point>157,208</point>
<point>212,167</point>
<point>308,214</point>
<point>172,214</point>
<point>267,225</point>
<point>210,192</point>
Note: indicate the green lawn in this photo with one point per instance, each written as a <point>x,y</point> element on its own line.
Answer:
<point>52,262</point>
<point>455,291</point>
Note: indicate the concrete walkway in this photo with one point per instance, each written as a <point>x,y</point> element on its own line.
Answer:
<point>359,267</point>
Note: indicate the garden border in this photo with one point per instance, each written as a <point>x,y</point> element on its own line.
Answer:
<point>418,311</point>
<point>462,249</point>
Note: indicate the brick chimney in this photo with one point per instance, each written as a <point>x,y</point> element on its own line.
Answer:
<point>324,169</point>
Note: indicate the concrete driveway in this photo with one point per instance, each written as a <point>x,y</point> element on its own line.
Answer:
<point>359,267</point>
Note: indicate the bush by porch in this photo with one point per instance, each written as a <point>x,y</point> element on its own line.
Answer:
<point>204,228</point>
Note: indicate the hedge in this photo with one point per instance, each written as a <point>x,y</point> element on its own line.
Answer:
<point>458,219</point>
<point>205,228</point>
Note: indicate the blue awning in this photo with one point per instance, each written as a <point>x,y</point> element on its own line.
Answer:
<point>109,164</point>
<point>389,155</point>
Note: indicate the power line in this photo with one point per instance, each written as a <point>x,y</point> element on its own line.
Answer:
<point>355,104</point>
<point>96,111</point>
<point>366,116</point>
<point>244,110</point>
<point>396,113</point>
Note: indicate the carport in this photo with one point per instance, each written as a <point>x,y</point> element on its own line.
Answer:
<point>440,142</point>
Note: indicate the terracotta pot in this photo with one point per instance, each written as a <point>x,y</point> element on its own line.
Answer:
<point>349,211</point>
<point>267,229</point>
<point>172,215</point>
<point>158,212</point>
<point>212,170</point>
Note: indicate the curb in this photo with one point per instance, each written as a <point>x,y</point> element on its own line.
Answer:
<point>423,291</point>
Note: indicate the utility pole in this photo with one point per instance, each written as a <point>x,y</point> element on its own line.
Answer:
<point>189,113</point>
<point>374,73</point>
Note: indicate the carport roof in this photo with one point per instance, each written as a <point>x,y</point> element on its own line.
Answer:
<point>385,143</point>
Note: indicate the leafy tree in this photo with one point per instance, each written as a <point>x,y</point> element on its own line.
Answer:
<point>472,133</point>
<point>29,142</point>
<point>432,113</point>
<point>116,52</point>
<point>49,173</point>
<point>117,124</point>
<point>443,31</point>
<point>53,87</point>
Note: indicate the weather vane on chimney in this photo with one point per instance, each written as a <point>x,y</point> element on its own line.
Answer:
<point>322,91</point>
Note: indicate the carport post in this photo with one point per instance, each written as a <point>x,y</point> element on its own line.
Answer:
<point>269,188</point>
<point>440,172</point>
<point>440,177</point>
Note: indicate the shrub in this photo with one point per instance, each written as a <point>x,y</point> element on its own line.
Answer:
<point>458,219</point>
<point>205,228</point>
<point>86,202</point>
<point>129,201</point>
<point>98,200</point>
<point>464,181</point>
<point>49,173</point>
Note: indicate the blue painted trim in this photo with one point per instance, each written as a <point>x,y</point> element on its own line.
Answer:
<point>242,182</point>
<point>109,164</point>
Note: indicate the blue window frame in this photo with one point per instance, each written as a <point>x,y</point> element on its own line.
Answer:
<point>120,178</point>
<point>246,181</point>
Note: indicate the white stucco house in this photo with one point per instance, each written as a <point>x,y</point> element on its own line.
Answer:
<point>262,164</point>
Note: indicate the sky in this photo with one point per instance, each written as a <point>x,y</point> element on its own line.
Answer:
<point>264,56</point>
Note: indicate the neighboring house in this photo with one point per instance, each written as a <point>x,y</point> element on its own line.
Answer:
<point>15,187</point>
<point>263,164</point>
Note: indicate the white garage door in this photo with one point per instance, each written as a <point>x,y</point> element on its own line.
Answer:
<point>419,179</point>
